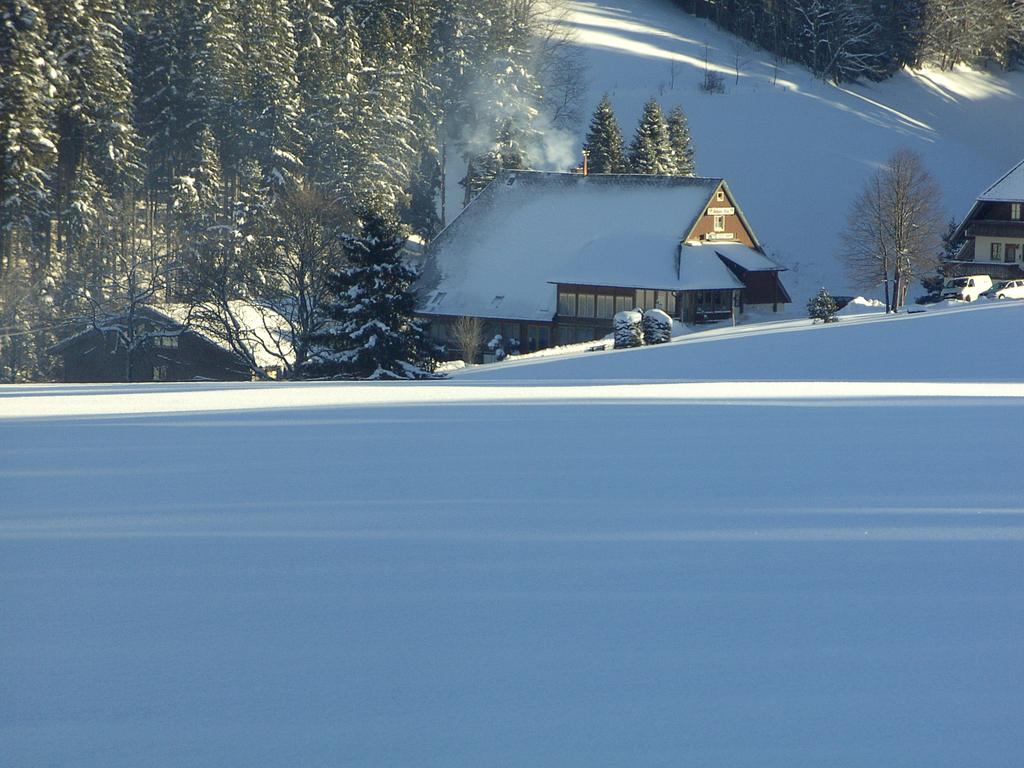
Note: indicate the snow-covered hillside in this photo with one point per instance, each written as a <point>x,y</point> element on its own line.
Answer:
<point>979,342</point>
<point>794,149</point>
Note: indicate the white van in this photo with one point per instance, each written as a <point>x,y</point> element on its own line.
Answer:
<point>966,288</point>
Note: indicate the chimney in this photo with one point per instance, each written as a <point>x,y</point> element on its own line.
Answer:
<point>586,162</point>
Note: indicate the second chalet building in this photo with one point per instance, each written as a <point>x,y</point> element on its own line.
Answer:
<point>547,259</point>
<point>992,234</point>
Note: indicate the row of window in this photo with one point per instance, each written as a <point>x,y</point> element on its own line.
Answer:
<point>1008,252</point>
<point>604,306</point>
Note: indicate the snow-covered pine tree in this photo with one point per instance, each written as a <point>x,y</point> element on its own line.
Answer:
<point>27,148</point>
<point>506,100</point>
<point>219,81</point>
<point>270,100</point>
<point>371,333</point>
<point>200,221</point>
<point>822,307</point>
<point>95,120</point>
<point>99,163</point>
<point>604,143</point>
<point>681,143</point>
<point>651,153</point>
<point>384,143</point>
<point>506,155</point>
<point>455,49</point>
<point>421,212</point>
<point>628,329</point>
<point>657,327</point>
<point>326,93</point>
<point>89,227</point>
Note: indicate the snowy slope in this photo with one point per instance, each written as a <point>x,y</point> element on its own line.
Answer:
<point>286,575</point>
<point>795,152</point>
<point>961,344</point>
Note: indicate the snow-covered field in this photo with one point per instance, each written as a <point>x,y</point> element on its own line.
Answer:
<point>794,149</point>
<point>952,342</point>
<point>476,572</point>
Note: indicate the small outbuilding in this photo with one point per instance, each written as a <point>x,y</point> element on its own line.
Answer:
<point>147,345</point>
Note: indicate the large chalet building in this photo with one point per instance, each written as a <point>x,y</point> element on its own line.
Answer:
<point>547,259</point>
<point>991,236</point>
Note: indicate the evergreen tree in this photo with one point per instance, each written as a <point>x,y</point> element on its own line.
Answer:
<point>326,92</point>
<point>604,142</point>
<point>199,216</point>
<point>823,308</point>
<point>681,144</point>
<point>421,212</point>
<point>657,327</point>
<point>99,162</point>
<point>270,97</point>
<point>372,333</point>
<point>628,329</point>
<point>506,155</point>
<point>651,153</point>
<point>27,149</point>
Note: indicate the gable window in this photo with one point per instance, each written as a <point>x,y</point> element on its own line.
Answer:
<point>996,252</point>
<point>168,342</point>
<point>720,196</point>
<point>567,304</point>
<point>719,223</point>
<point>1015,211</point>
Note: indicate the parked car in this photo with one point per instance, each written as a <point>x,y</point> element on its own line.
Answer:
<point>1008,289</point>
<point>966,288</point>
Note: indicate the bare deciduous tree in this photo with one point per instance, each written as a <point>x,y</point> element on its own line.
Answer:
<point>119,310</point>
<point>283,269</point>
<point>469,335</point>
<point>894,231</point>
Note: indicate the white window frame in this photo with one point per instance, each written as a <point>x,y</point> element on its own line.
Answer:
<point>719,223</point>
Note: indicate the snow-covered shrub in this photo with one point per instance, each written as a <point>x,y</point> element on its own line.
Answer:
<point>628,329</point>
<point>497,347</point>
<point>823,308</point>
<point>657,327</point>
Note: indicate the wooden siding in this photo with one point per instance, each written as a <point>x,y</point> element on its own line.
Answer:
<point>95,357</point>
<point>704,229</point>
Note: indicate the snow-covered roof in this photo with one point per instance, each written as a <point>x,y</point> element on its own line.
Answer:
<point>640,260</point>
<point>500,257</point>
<point>700,268</point>
<point>263,331</point>
<point>1009,188</point>
<point>749,259</point>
